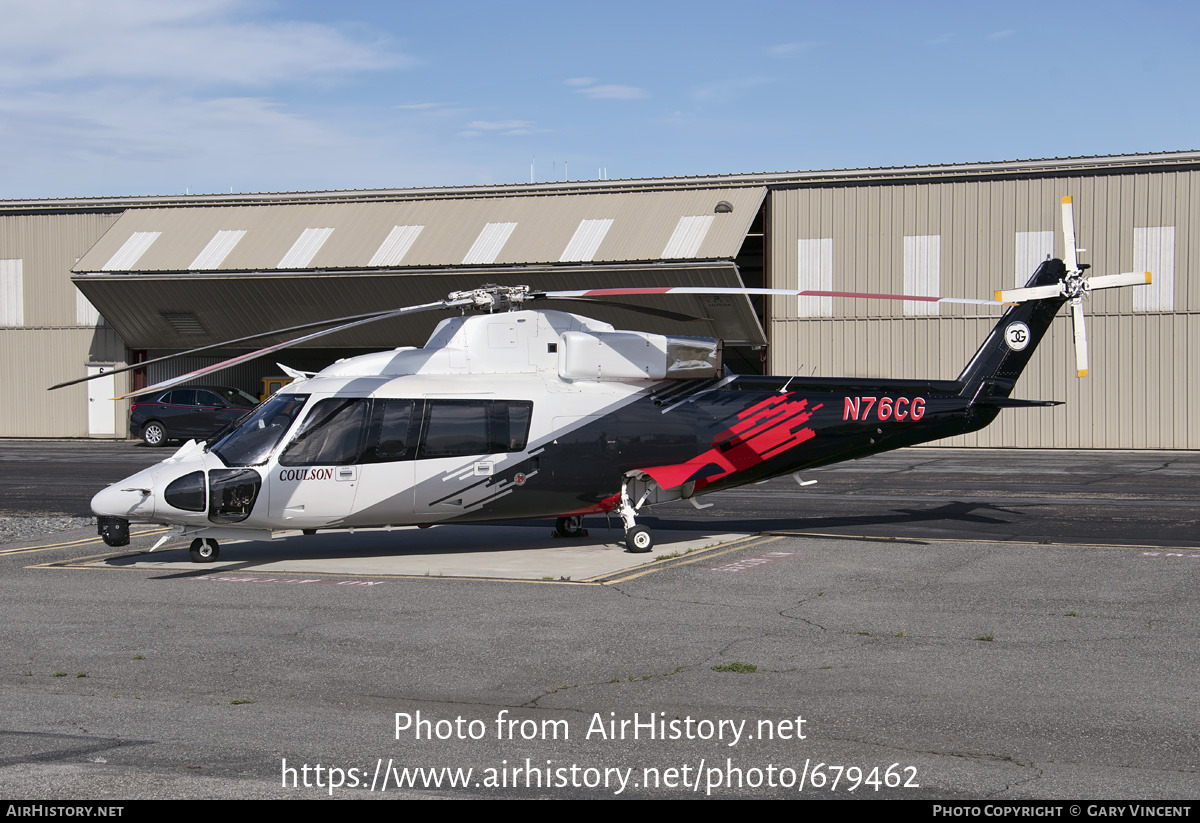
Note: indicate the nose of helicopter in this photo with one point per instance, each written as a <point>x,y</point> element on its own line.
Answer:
<point>132,497</point>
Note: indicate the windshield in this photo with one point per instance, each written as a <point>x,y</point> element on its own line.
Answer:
<point>251,443</point>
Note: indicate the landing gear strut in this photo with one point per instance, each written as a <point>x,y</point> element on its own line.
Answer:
<point>204,550</point>
<point>638,539</point>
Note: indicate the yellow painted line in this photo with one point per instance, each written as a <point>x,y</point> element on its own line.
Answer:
<point>70,543</point>
<point>87,562</point>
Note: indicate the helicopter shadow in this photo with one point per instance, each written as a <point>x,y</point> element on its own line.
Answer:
<point>910,522</point>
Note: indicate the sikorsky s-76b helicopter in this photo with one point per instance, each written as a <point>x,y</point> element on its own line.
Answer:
<point>523,412</point>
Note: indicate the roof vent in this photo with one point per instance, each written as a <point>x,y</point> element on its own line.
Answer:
<point>183,322</point>
<point>724,207</point>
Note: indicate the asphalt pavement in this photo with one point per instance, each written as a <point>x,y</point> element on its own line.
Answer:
<point>927,624</point>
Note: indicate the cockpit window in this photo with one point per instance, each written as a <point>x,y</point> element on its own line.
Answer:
<point>331,435</point>
<point>251,443</point>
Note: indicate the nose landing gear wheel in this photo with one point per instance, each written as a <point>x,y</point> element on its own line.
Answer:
<point>639,540</point>
<point>204,550</point>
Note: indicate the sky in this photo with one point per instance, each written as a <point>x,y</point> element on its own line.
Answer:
<point>129,97</point>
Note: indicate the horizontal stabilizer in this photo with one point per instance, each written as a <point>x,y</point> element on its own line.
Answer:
<point>1014,402</point>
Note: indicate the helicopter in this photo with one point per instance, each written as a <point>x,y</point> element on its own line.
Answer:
<point>514,411</point>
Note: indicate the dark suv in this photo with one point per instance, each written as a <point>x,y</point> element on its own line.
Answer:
<point>192,411</point>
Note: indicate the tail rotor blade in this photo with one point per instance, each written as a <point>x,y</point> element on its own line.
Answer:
<point>1081,358</point>
<point>1032,293</point>
<point>1108,281</point>
<point>1069,249</point>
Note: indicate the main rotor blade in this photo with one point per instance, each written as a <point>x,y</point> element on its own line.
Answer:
<point>624,292</point>
<point>242,358</point>
<point>1069,250</point>
<point>290,329</point>
<point>1081,358</point>
<point>653,312</point>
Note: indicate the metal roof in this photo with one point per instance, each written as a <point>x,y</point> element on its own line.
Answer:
<point>590,228</point>
<point>186,310</point>
<point>946,171</point>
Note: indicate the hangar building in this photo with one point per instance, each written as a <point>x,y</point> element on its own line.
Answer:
<point>90,284</point>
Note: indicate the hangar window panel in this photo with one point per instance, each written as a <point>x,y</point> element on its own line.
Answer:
<point>131,251</point>
<point>305,248</point>
<point>689,233</point>
<point>589,234</point>
<point>922,272</point>
<point>1033,247</point>
<point>12,293</point>
<point>214,254</point>
<point>488,244</point>
<point>397,244</point>
<point>1154,251</point>
<point>85,313</point>
<point>814,270</point>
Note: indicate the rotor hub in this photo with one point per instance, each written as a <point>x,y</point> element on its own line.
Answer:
<point>492,298</point>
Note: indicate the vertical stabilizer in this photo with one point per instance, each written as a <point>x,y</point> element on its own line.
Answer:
<point>994,369</point>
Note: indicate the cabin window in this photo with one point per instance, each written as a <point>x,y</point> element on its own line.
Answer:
<point>331,435</point>
<point>459,428</point>
<point>392,435</point>
<point>349,430</point>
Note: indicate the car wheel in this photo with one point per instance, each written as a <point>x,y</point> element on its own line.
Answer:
<point>154,433</point>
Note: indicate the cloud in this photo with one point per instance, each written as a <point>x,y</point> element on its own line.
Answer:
<point>505,127</point>
<point>942,39</point>
<point>499,125</point>
<point>580,81</point>
<point>728,90</point>
<point>796,49</point>
<point>613,92</point>
<point>192,43</point>
<point>1000,35</point>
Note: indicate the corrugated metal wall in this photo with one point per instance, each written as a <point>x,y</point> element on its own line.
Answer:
<point>33,359</point>
<point>1143,390</point>
<point>55,339</point>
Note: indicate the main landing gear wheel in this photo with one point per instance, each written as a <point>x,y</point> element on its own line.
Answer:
<point>204,550</point>
<point>569,526</point>
<point>154,433</point>
<point>639,540</point>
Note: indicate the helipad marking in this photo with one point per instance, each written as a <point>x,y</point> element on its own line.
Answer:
<point>294,581</point>
<point>752,562</point>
